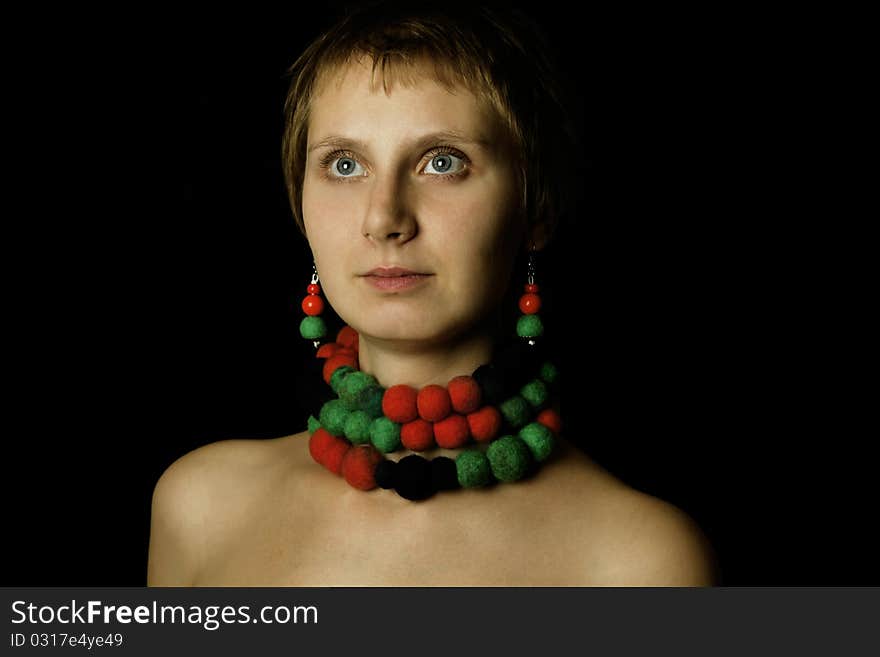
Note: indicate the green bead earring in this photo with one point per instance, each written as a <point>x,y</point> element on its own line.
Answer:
<point>529,326</point>
<point>312,326</point>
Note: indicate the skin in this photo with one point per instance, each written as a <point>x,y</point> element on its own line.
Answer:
<point>394,208</point>
<point>262,513</point>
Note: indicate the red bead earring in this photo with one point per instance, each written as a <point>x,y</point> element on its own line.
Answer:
<point>529,326</point>
<point>312,326</point>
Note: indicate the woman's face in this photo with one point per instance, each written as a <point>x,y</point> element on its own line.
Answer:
<point>383,188</point>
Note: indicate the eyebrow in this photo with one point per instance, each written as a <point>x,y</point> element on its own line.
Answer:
<point>341,141</point>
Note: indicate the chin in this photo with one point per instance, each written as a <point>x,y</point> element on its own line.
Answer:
<point>424,327</point>
<point>386,328</point>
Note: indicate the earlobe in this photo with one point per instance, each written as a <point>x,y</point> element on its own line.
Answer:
<point>537,236</point>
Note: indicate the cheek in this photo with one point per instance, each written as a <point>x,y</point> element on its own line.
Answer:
<point>484,231</point>
<point>321,232</point>
<point>326,217</point>
<point>314,206</point>
<point>310,209</point>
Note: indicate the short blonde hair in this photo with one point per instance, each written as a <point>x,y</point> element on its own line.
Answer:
<point>499,54</point>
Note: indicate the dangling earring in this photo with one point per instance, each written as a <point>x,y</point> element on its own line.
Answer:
<point>529,327</point>
<point>312,326</point>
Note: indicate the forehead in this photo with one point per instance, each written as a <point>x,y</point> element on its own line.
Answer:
<point>355,96</point>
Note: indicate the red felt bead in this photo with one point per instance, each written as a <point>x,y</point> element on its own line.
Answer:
<point>347,337</point>
<point>465,394</point>
<point>359,464</point>
<point>417,435</point>
<point>434,403</point>
<point>399,403</point>
<point>328,450</point>
<point>530,304</point>
<point>532,288</point>
<point>313,305</point>
<point>452,432</point>
<point>335,454</point>
<point>327,350</point>
<point>318,443</point>
<point>336,361</point>
<point>485,423</point>
<point>313,288</point>
<point>550,419</point>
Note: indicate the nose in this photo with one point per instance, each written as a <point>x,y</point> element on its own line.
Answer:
<point>389,216</point>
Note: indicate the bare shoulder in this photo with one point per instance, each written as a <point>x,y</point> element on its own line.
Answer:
<point>661,545</point>
<point>197,498</point>
<point>647,541</point>
<point>627,537</point>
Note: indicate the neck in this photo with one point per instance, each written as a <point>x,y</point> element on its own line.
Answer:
<point>395,362</point>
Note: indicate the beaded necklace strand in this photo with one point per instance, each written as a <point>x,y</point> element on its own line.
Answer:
<point>515,417</point>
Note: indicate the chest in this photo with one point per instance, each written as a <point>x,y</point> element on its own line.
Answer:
<point>360,547</point>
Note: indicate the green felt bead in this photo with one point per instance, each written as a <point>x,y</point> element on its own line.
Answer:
<point>529,326</point>
<point>312,328</point>
<point>516,411</point>
<point>385,435</point>
<point>333,416</point>
<point>370,400</point>
<point>314,424</point>
<point>509,458</point>
<point>539,439</point>
<point>351,387</point>
<point>535,393</point>
<point>339,375</point>
<point>549,372</point>
<point>473,469</point>
<point>357,427</point>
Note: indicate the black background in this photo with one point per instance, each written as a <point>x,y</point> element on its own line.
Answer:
<point>156,274</point>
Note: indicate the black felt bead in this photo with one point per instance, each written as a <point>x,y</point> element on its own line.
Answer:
<point>385,474</point>
<point>414,478</point>
<point>444,475</point>
<point>519,362</point>
<point>491,382</point>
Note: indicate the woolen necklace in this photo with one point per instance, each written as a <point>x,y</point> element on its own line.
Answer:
<point>509,406</point>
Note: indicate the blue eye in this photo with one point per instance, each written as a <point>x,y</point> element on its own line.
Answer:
<point>445,163</point>
<point>344,166</point>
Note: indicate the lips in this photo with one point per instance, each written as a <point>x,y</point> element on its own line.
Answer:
<point>394,272</point>
<point>395,279</point>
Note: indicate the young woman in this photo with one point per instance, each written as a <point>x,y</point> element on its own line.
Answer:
<point>423,154</point>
